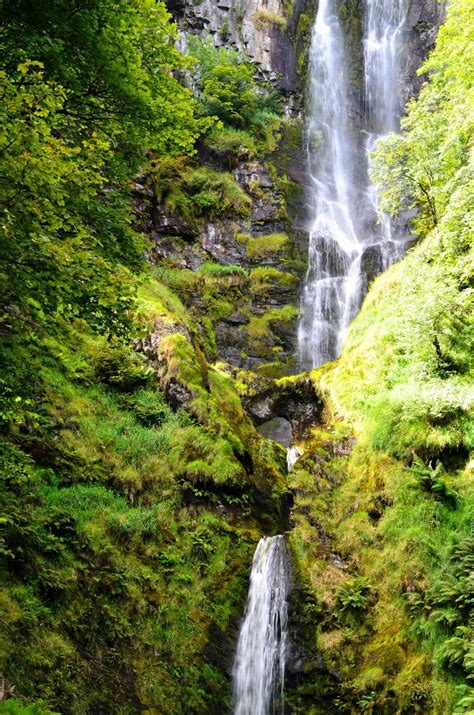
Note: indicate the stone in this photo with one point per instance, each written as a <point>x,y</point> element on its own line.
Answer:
<point>294,399</point>
<point>219,242</point>
<point>278,429</point>
<point>372,262</point>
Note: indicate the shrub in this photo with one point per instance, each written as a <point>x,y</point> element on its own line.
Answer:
<point>216,193</point>
<point>121,368</point>
<point>263,245</point>
<point>234,144</point>
<point>264,19</point>
<point>196,192</point>
<point>226,86</point>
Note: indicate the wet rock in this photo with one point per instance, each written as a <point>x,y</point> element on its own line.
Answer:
<point>230,337</point>
<point>165,224</point>
<point>296,400</point>
<point>237,318</point>
<point>372,262</point>
<point>423,21</point>
<point>219,242</point>
<point>182,254</point>
<point>278,429</point>
<point>253,175</point>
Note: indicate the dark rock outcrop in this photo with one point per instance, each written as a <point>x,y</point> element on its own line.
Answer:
<point>294,399</point>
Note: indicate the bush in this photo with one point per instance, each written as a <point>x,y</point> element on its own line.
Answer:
<point>263,20</point>
<point>226,87</point>
<point>234,144</point>
<point>196,193</point>
<point>214,193</point>
<point>119,367</point>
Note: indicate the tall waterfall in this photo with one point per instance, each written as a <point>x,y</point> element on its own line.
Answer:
<point>259,668</point>
<point>346,220</point>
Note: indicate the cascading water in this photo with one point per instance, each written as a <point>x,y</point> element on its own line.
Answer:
<point>345,204</point>
<point>259,668</point>
<point>384,25</point>
<point>383,52</point>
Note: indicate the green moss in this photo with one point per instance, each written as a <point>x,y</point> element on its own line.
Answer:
<point>141,520</point>
<point>196,192</point>
<point>264,245</point>
<point>263,19</point>
<point>12,707</point>
<point>264,278</point>
<point>157,302</point>
<point>261,325</point>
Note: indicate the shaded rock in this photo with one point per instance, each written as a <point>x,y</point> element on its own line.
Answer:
<point>237,318</point>
<point>278,429</point>
<point>219,242</point>
<point>253,175</point>
<point>180,253</point>
<point>296,400</point>
<point>372,262</point>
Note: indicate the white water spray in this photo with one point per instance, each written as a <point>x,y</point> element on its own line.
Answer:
<point>292,456</point>
<point>262,649</point>
<point>345,204</point>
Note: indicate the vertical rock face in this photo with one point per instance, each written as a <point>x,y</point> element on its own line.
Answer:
<point>424,19</point>
<point>266,30</point>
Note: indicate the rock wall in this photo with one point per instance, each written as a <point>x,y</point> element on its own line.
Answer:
<point>267,31</point>
<point>258,324</point>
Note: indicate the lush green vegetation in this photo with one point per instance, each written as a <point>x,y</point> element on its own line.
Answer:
<point>133,486</point>
<point>128,516</point>
<point>248,112</point>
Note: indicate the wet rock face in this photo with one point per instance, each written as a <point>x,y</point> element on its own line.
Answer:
<point>423,21</point>
<point>261,28</point>
<point>279,430</point>
<point>296,401</point>
<point>372,262</point>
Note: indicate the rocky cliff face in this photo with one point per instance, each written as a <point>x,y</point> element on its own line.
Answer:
<point>423,21</point>
<point>268,31</point>
<point>255,321</point>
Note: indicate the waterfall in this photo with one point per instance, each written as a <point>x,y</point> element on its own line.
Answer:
<point>382,49</point>
<point>346,219</point>
<point>292,456</point>
<point>259,668</point>
<point>383,52</point>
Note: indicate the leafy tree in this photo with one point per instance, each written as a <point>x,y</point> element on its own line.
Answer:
<point>52,258</point>
<point>118,62</point>
<point>227,88</point>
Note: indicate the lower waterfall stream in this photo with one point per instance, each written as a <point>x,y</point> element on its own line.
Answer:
<point>259,668</point>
